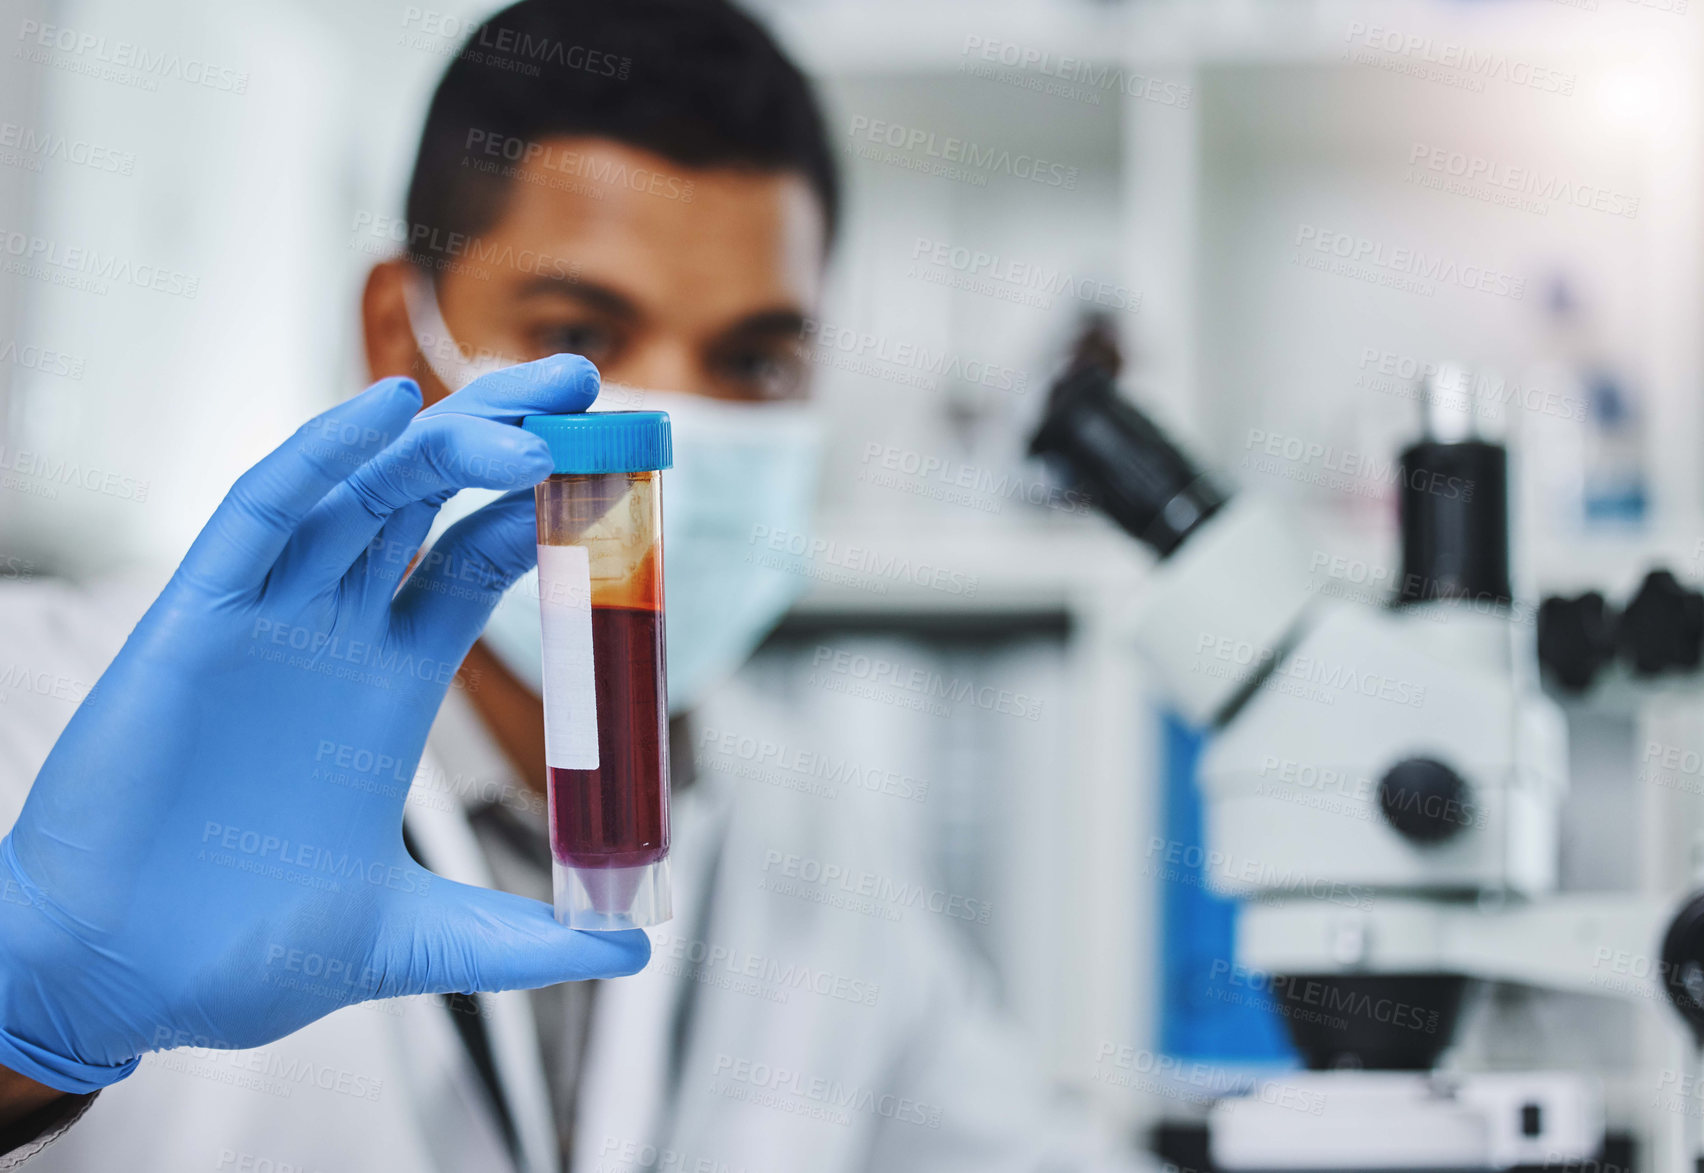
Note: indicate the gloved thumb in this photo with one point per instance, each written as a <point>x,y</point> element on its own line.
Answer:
<point>465,939</point>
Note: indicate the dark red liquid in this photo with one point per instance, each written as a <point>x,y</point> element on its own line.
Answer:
<point>617,815</point>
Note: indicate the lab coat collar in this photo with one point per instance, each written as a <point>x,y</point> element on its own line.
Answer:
<point>463,767</point>
<point>641,1021</point>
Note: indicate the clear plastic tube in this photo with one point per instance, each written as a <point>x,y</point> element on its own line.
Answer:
<point>605,697</point>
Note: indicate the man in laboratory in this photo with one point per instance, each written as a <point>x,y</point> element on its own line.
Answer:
<point>186,982</point>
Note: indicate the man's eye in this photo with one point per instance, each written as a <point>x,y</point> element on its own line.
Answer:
<point>764,374</point>
<point>581,338</point>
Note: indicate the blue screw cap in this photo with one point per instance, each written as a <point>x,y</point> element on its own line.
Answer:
<point>605,441</point>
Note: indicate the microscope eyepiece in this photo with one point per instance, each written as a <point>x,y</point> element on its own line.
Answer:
<point>1127,466</point>
<point>1454,503</point>
<point>1454,499</point>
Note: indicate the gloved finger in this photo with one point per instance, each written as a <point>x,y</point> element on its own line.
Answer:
<point>237,547</point>
<point>467,939</point>
<point>435,457</point>
<point>391,553</point>
<point>446,601</point>
<point>550,386</point>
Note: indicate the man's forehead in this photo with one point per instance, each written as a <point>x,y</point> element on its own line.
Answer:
<point>627,218</point>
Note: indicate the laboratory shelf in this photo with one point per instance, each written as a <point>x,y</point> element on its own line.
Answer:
<point>884,565</point>
<point>850,37</point>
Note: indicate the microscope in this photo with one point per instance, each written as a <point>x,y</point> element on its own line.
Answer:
<point>1382,789</point>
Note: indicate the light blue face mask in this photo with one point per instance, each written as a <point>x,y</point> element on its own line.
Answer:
<point>737,506</point>
<point>737,509</point>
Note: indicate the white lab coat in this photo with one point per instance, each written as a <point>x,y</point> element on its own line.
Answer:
<point>819,1033</point>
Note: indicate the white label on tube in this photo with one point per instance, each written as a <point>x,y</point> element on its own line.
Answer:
<point>570,686</point>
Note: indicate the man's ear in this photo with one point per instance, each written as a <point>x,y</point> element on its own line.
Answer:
<point>385,329</point>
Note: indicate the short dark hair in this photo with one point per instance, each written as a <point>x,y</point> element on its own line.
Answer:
<point>695,81</point>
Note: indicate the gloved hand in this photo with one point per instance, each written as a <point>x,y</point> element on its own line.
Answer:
<point>189,836</point>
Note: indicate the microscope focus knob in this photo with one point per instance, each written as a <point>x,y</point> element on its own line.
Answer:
<point>1576,638</point>
<point>1662,628</point>
<point>1683,963</point>
<point>1425,801</point>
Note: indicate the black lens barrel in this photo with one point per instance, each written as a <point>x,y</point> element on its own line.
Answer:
<point>1126,465</point>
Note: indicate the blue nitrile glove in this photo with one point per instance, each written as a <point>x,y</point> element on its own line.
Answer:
<point>225,802</point>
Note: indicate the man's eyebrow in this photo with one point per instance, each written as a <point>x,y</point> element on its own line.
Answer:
<point>778,321</point>
<point>784,320</point>
<point>598,297</point>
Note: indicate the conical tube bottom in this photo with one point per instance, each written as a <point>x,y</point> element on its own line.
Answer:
<point>608,899</point>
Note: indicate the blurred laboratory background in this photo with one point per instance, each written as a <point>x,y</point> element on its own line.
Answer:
<point>1286,218</point>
